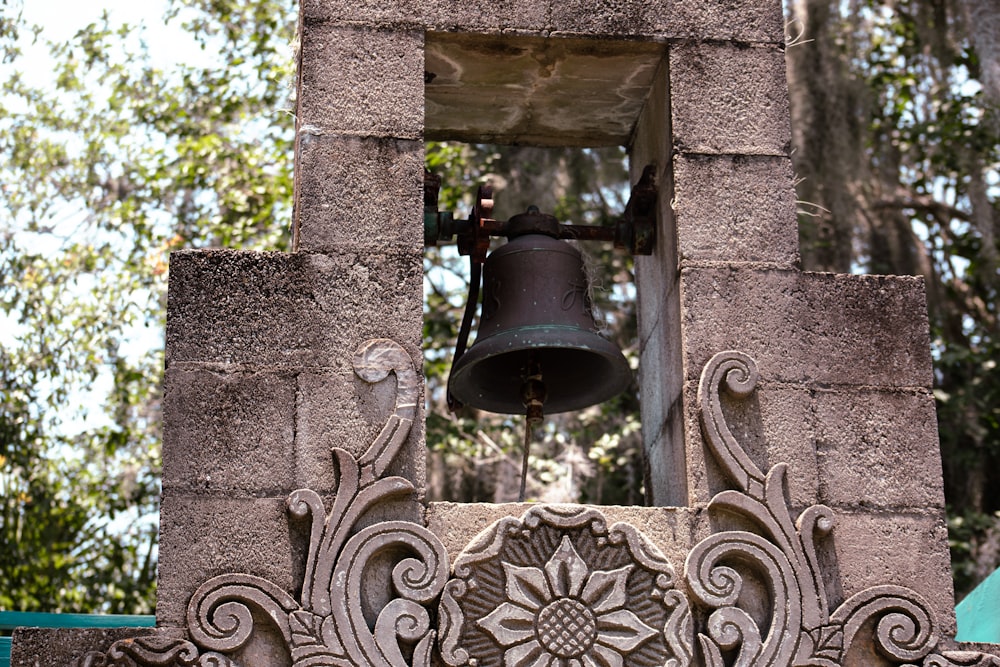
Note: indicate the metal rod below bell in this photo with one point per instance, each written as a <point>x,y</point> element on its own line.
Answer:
<point>533,397</point>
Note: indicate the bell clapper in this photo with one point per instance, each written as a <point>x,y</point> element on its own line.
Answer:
<point>533,396</point>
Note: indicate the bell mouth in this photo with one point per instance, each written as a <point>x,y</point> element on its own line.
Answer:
<point>579,369</point>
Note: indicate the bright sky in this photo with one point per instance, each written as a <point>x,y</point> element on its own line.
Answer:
<point>60,20</point>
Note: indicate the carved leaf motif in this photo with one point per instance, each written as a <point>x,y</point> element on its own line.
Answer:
<point>526,586</point>
<point>566,571</point>
<point>821,646</point>
<point>328,623</point>
<point>306,628</point>
<point>606,590</point>
<point>801,630</point>
<point>509,624</point>
<point>623,631</point>
<point>679,629</point>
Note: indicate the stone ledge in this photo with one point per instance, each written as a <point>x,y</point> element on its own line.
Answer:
<point>741,20</point>
<point>812,328</point>
<point>363,81</point>
<point>736,208</point>
<point>358,192</point>
<point>58,647</point>
<point>228,432</point>
<point>301,309</point>
<point>728,99</point>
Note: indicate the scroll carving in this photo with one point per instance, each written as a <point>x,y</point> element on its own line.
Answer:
<point>557,587</point>
<point>326,625</point>
<point>801,629</point>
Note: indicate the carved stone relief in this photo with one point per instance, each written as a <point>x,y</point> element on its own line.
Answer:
<point>558,587</point>
<point>801,629</point>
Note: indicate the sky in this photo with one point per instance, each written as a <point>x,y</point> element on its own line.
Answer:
<point>167,45</point>
<point>61,19</point>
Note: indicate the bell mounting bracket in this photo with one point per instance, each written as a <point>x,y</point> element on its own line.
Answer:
<point>634,232</point>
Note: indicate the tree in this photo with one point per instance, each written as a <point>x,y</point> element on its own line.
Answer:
<point>896,117</point>
<point>106,168</point>
<point>119,160</point>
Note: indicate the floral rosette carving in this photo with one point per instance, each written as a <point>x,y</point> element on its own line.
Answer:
<point>558,588</point>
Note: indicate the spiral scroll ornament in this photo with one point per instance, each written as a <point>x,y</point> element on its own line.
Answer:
<point>781,553</point>
<point>326,625</point>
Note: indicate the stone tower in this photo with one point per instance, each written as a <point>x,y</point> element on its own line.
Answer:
<point>798,513</point>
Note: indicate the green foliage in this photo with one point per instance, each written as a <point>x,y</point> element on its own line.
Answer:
<point>898,146</point>
<point>117,158</point>
<point>974,540</point>
<point>107,166</point>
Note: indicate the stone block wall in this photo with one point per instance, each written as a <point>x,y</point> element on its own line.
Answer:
<point>259,387</point>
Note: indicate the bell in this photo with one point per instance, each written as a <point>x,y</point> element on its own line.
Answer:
<point>537,341</point>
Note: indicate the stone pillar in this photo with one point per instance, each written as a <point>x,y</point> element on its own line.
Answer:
<point>845,395</point>
<point>260,382</point>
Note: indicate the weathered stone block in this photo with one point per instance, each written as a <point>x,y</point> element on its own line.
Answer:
<point>501,15</point>
<point>49,647</point>
<point>293,310</point>
<point>809,327</point>
<point>743,20</point>
<point>228,431</point>
<point>360,414</point>
<point>878,449</point>
<point>738,209</point>
<point>358,192</point>
<point>729,99</point>
<point>204,537</point>
<point>903,549</point>
<point>362,81</point>
<point>613,18</point>
<point>774,425</point>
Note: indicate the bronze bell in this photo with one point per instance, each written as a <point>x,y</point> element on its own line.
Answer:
<point>537,328</point>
